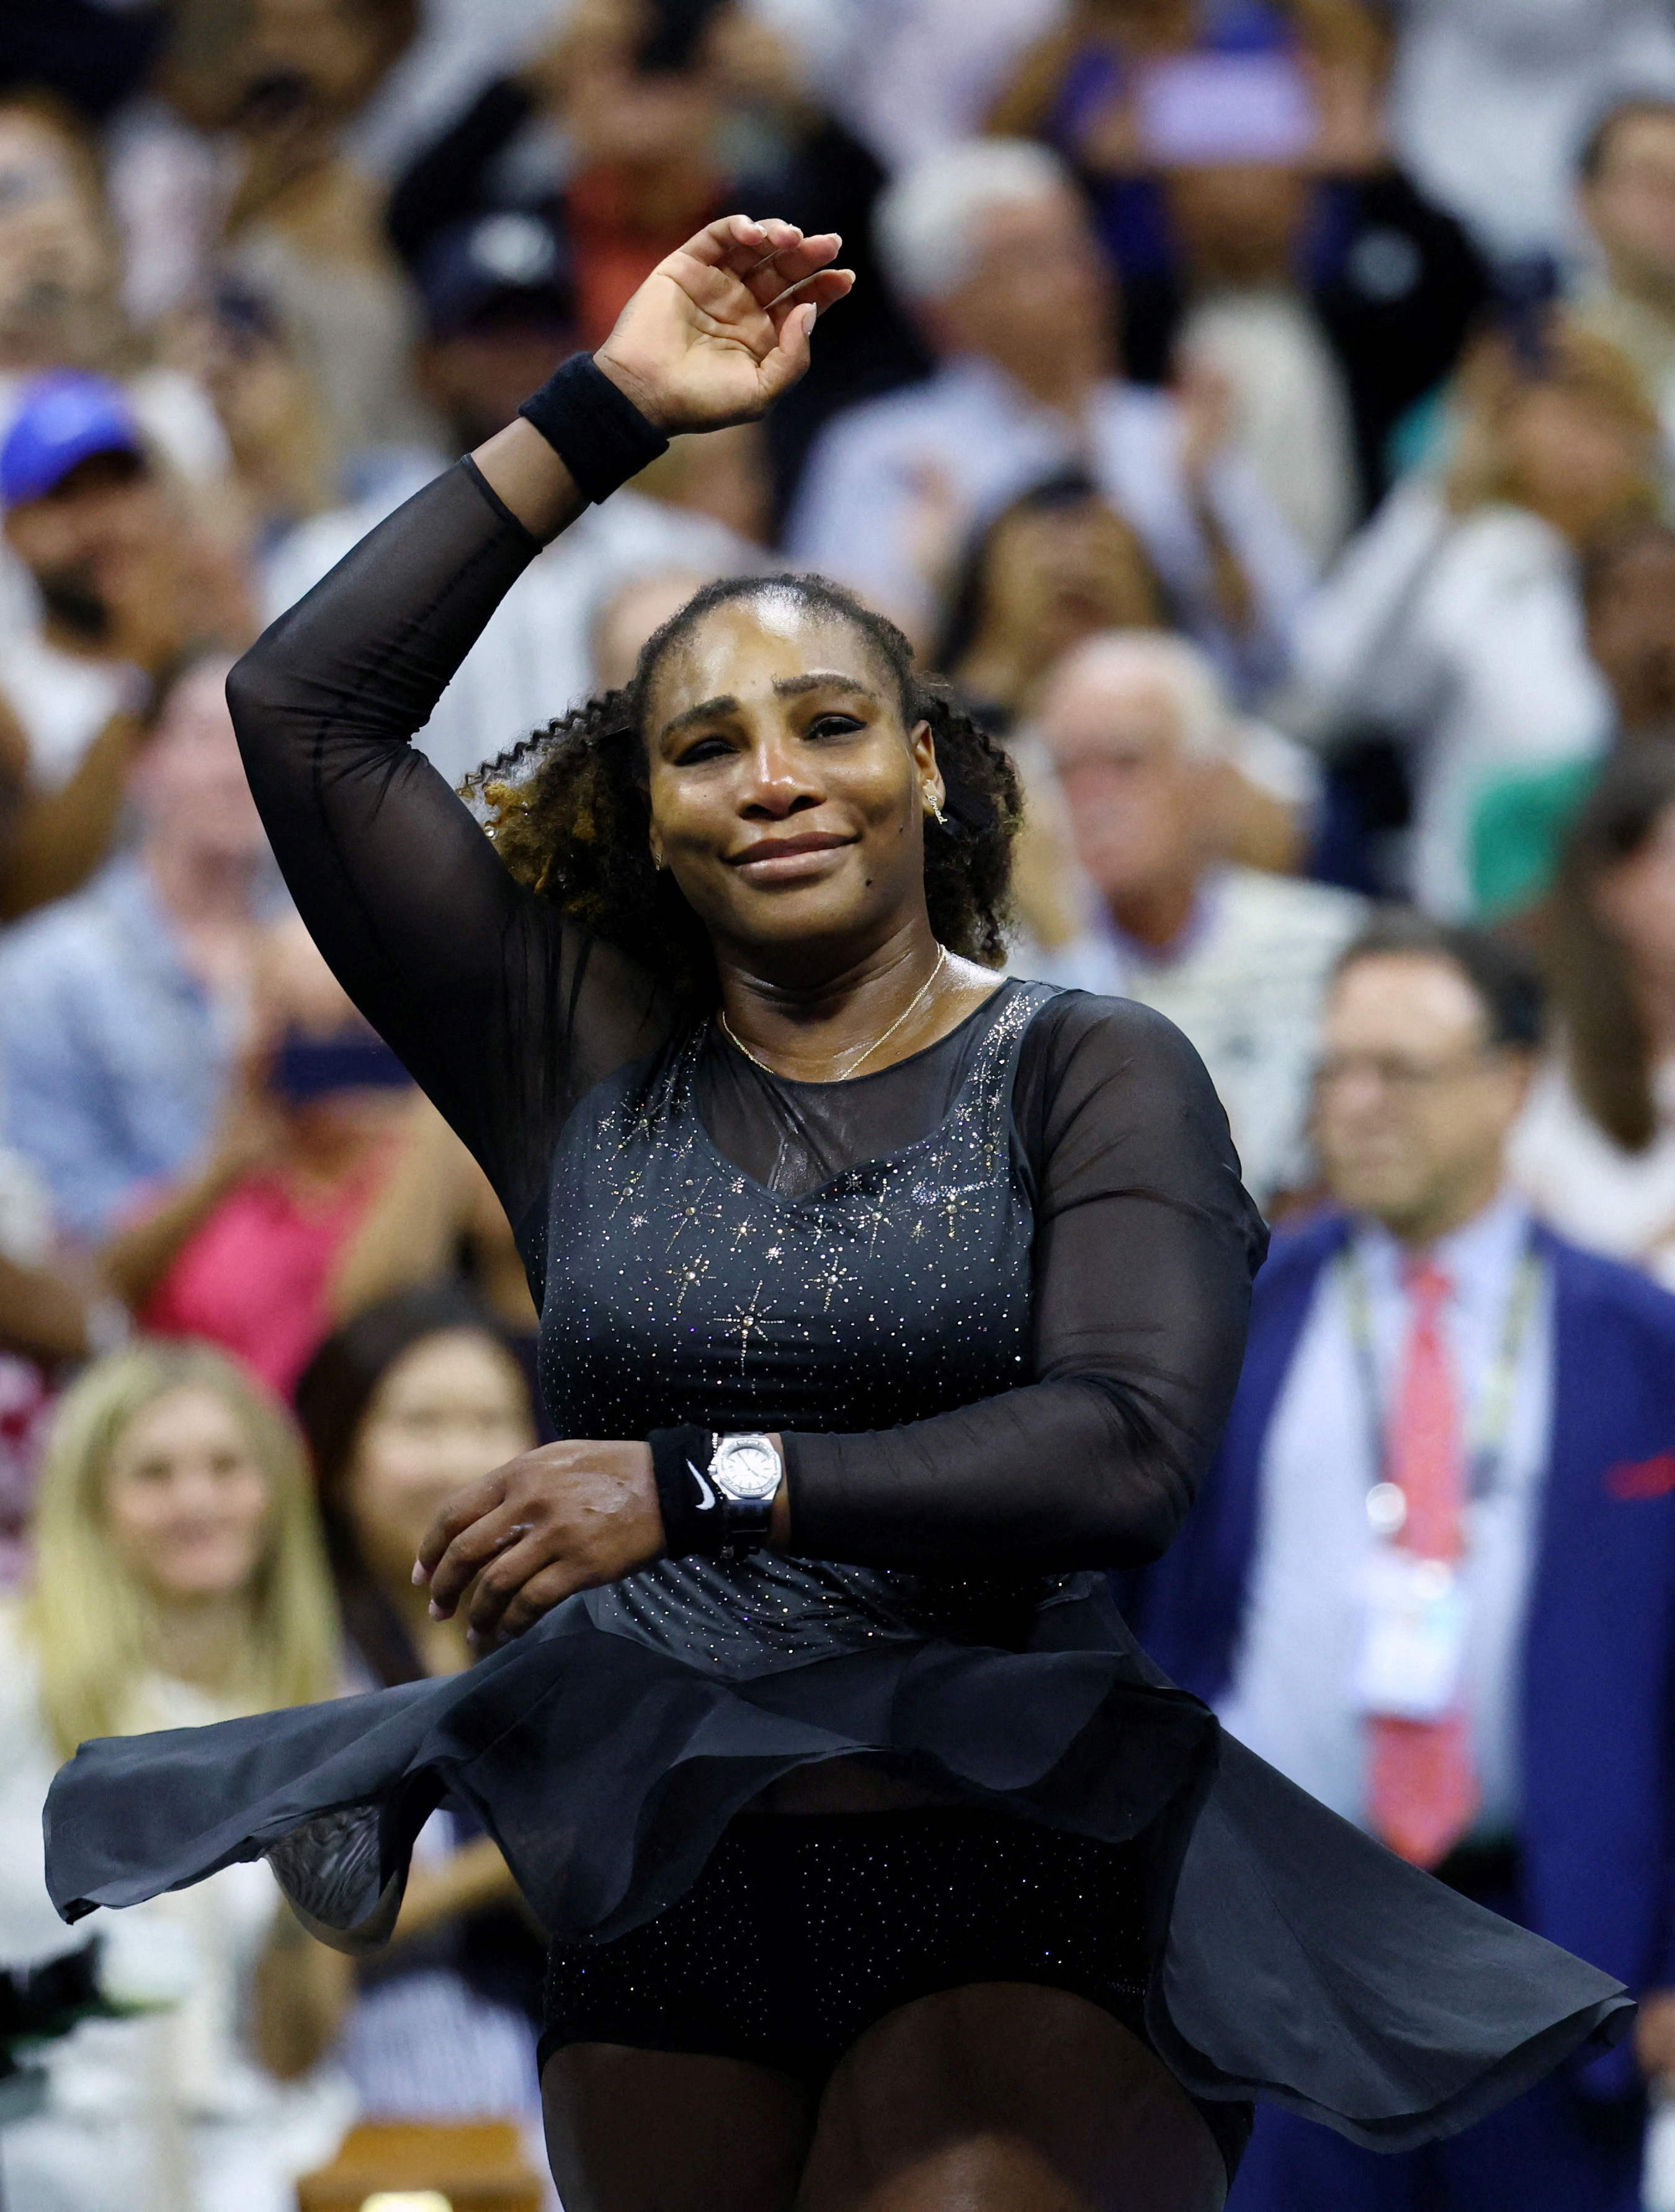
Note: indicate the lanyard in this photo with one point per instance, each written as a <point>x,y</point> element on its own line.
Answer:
<point>1486,1449</point>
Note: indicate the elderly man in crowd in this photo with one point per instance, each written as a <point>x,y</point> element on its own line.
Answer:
<point>121,1009</point>
<point>1431,1576</point>
<point>1143,743</point>
<point>991,246</point>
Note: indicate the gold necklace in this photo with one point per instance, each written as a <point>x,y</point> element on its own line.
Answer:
<point>866,1051</point>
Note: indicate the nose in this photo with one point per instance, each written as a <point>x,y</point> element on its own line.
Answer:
<point>777,783</point>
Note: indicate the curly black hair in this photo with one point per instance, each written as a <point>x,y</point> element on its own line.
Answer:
<point>568,811</point>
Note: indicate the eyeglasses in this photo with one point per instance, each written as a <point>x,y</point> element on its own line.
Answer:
<point>1389,1071</point>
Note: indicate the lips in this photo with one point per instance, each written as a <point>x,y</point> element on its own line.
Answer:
<point>778,859</point>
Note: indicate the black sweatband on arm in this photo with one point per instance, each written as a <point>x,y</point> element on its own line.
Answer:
<point>692,1519</point>
<point>593,427</point>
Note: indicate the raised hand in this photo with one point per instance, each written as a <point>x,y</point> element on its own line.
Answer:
<point>720,329</point>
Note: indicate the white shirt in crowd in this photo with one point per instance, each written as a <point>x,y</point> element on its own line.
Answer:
<point>1244,983</point>
<point>1464,635</point>
<point>168,2111</point>
<point>1492,98</point>
<point>1587,1185</point>
<point>969,435</point>
<point>1291,1700</point>
<point>534,659</point>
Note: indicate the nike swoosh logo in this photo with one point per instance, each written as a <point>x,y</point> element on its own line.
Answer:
<point>706,1496</point>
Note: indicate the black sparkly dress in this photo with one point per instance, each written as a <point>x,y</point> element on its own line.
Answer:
<point>994,1297</point>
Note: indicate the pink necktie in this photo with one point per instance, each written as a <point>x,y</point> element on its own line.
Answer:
<point>1421,1786</point>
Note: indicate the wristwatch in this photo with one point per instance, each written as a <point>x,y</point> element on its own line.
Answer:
<point>746,1473</point>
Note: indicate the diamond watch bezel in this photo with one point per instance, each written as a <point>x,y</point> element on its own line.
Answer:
<point>746,1469</point>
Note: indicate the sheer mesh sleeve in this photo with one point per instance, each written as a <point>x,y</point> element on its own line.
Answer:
<point>1146,1245</point>
<point>504,1013</point>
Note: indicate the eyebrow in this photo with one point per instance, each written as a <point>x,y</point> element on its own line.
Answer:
<point>785,686</point>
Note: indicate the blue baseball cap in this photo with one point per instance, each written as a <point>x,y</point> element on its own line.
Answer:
<point>63,419</point>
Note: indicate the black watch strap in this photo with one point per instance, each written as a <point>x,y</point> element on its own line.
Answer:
<point>694,1520</point>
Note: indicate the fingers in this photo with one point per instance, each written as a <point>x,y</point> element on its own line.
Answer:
<point>471,1530</point>
<point>514,1591</point>
<point>769,257</point>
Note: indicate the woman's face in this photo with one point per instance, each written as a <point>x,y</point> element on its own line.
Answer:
<point>788,799</point>
<point>186,1500</point>
<point>451,1409</point>
<point>1057,575</point>
<point>1636,900</point>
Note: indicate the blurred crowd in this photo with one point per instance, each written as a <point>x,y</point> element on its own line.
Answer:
<point>1262,410</point>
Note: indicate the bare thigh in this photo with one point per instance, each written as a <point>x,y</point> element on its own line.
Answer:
<point>671,2131</point>
<point>1007,2098</point>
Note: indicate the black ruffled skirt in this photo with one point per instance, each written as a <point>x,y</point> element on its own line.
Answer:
<point>1291,1958</point>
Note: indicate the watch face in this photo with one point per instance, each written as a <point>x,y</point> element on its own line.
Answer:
<point>747,1467</point>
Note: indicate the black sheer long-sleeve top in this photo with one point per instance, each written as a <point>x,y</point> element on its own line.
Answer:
<point>994,1297</point>
<point>1060,1419</point>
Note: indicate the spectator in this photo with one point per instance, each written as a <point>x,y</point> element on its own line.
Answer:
<point>46,1320</point>
<point>241,1250</point>
<point>59,302</point>
<point>500,316</point>
<point>1491,103</point>
<point>1453,621</point>
<point>127,578</point>
<point>1595,1150</point>
<point>179,1579</point>
<point>406,1405</point>
<point>1441,1398</point>
<point>1627,192</point>
<point>1247,193</point>
<point>1140,739</point>
<point>305,227</point>
<point>121,1009</point>
<point>1520,821</point>
<point>1058,565</point>
<point>626,115</point>
<point>992,248</point>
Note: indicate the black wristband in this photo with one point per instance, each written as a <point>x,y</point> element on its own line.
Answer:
<point>692,1518</point>
<point>593,427</point>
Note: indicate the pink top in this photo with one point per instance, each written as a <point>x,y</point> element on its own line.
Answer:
<point>253,1278</point>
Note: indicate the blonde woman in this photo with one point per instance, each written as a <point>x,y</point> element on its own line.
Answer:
<point>179,1578</point>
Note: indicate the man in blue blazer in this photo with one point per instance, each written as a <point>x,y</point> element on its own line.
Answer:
<point>1432,1574</point>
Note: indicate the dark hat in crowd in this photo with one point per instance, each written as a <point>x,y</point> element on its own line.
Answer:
<point>64,419</point>
<point>511,267</point>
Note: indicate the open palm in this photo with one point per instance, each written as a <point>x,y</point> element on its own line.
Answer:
<point>720,328</point>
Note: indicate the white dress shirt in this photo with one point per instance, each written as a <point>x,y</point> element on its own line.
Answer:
<point>1290,1696</point>
<point>1243,982</point>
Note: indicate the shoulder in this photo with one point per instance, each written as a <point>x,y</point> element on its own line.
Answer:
<point>1298,1253</point>
<point>66,938</point>
<point>1108,1038</point>
<point>898,418</point>
<point>1290,909</point>
<point>21,1726</point>
<point>1592,1286</point>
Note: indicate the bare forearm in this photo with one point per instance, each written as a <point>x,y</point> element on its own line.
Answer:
<point>472,1878</point>
<point>60,837</point>
<point>302,1992</point>
<point>135,1260</point>
<point>40,1315</point>
<point>520,468</point>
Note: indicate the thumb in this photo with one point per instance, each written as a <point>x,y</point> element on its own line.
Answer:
<point>789,359</point>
